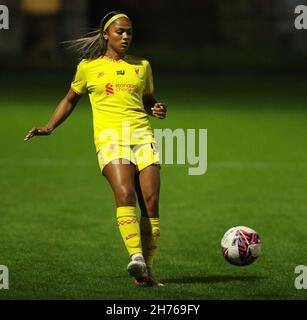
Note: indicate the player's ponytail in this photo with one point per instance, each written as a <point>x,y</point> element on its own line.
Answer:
<point>92,45</point>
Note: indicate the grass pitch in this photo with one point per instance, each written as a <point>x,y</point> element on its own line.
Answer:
<point>58,233</point>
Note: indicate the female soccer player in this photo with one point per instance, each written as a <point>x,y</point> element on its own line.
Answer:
<point>120,88</point>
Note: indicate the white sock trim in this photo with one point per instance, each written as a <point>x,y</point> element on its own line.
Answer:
<point>138,256</point>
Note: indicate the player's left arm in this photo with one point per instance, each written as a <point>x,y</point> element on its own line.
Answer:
<point>154,108</point>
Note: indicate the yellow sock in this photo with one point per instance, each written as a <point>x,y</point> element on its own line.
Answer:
<point>129,228</point>
<point>150,232</point>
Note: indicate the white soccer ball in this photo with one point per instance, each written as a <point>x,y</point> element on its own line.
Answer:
<point>241,245</point>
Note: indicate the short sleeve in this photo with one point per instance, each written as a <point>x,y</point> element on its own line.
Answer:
<point>149,86</point>
<point>79,83</point>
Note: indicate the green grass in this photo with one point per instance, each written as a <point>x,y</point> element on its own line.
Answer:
<point>58,233</point>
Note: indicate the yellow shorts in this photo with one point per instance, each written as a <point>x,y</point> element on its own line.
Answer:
<point>141,155</point>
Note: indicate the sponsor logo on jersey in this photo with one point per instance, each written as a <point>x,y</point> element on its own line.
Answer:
<point>109,89</point>
<point>100,74</point>
<point>126,87</point>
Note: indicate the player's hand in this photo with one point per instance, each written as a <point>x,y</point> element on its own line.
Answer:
<point>38,131</point>
<point>159,110</point>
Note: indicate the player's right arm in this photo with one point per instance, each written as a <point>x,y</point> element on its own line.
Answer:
<point>63,110</point>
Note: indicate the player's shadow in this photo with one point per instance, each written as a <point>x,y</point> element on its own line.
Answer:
<point>212,279</point>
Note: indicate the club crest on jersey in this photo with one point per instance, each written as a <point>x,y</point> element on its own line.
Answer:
<point>137,71</point>
<point>100,74</point>
<point>109,89</point>
<point>120,72</point>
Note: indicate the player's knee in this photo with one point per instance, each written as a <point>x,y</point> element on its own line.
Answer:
<point>125,197</point>
<point>152,201</point>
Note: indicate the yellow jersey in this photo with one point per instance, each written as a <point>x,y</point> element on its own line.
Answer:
<point>116,90</point>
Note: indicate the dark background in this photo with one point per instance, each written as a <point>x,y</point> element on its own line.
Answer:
<point>211,35</point>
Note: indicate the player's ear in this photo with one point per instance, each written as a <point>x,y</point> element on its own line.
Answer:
<point>105,36</point>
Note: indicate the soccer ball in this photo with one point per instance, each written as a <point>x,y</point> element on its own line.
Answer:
<point>241,246</point>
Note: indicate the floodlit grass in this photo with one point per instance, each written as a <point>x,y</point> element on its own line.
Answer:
<point>58,232</point>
